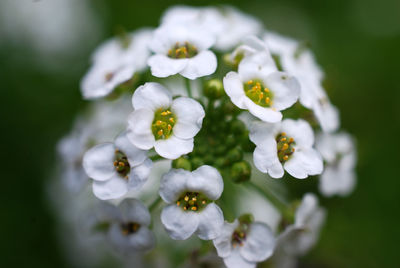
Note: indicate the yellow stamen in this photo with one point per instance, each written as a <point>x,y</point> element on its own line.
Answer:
<point>178,203</point>
<point>160,132</point>
<point>169,127</point>
<point>194,208</point>
<point>285,146</point>
<point>186,198</point>
<point>172,120</point>
<point>159,123</point>
<point>285,157</point>
<point>250,82</point>
<point>266,90</point>
<point>291,140</point>
<point>283,139</point>
<point>267,100</point>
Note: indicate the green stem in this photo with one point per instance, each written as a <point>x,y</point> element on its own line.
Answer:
<point>155,203</point>
<point>156,157</point>
<point>188,88</point>
<point>279,204</point>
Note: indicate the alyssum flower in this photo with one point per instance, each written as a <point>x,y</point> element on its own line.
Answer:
<point>243,243</point>
<point>190,208</point>
<point>182,49</point>
<point>258,85</point>
<point>116,168</point>
<point>338,151</point>
<point>287,145</point>
<point>165,124</point>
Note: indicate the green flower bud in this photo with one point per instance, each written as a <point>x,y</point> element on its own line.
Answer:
<point>214,89</point>
<point>235,155</point>
<point>238,127</point>
<point>220,162</point>
<point>240,171</point>
<point>182,162</point>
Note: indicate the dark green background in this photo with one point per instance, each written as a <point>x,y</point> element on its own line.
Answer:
<point>357,43</point>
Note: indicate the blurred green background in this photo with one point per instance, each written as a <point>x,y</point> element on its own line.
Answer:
<point>356,41</point>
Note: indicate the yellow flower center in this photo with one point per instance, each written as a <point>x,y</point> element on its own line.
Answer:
<point>258,92</point>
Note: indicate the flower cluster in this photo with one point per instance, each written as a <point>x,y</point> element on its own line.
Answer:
<point>227,106</point>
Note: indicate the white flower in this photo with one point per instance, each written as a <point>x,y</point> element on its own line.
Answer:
<point>259,86</point>
<point>116,168</point>
<point>287,145</point>
<point>299,237</point>
<point>299,61</point>
<point>115,62</point>
<point>339,153</point>
<point>182,49</point>
<point>165,124</point>
<point>190,197</point>
<point>129,231</point>
<point>242,244</point>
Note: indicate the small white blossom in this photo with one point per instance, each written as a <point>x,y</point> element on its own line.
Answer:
<point>242,245</point>
<point>339,153</point>
<point>190,208</point>
<point>259,86</point>
<point>298,238</point>
<point>116,168</point>
<point>300,62</point>
<point>165,124</point>
<point>182,49</point>
<point>115,62</point>
<point>287,145</point>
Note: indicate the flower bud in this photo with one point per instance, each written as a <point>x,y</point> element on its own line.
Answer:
<point>214,89</point>
<point>183,163</point>
<point>241,171</point>
<point>238,127</point>
<point>234,155</point>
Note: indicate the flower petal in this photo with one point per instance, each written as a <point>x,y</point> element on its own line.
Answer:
<point>207,180</point>
<point>179,224</point>
<point>151,96</point>
<point>163,66</point>
<point>113,188</point>
<point>173,184</point>
<point>211,221</point>
<point>300,131</point>
<point>285,89</point>
<point>139,129</point>
<point>235,260</point>
<point>233,86</point>
<point>264,113</point>
<point>260,243</point>
<point>266,159</point>
<point>189,115</point>
<point>173,147</point>
<point>139,175</point>
<point>204,63</point>
<point>98,162</point>
<point>223,243</point>
<point>304,162</point>
<point>261,131</point>
<point>143,239</point>
<point>135,155</point>
<point>132,210</point>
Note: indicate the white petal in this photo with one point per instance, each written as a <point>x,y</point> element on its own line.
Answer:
<point>285,89</point>
<point>151,96</point>
<point>135,155</point>
<point>163,66</point>
<point>179,224</point>
<point>207,180</point>
<point>261,131</point>
<point>233,86</point>
<point>211,221</point>
<point>173,147</point>
<point>307,208</point>
<point>235,260</point>
<point>143,239</point>
<point>300,131</point>
<point>173,184</point>
<point>334,181</point>
<point>264,113</point>
<point>259,244</point>
<point>139,175</point>
<point>132,210</point>
<point>266,159</point>
<point>303,163</point>
<point>98,162</point>
<point>113,188</point>
<point>327,115</point>
<point>139,129</point>
<point>189,117</point>
<point>223,243</point>
<point>204,63</point>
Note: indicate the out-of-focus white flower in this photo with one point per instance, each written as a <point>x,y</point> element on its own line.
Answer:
<point>338,151</point>
<point>114,62</point>
<point>298,238</point>
<point>190,208</point>
<point>129,231</point>
<point>103,123</point>
<point>116,167</point>
<point>287,145</point>
<point>259,86</point>
<point>165,124</point>
<point>182,49</point>
<point>299,61</point>
<point>242,244</point>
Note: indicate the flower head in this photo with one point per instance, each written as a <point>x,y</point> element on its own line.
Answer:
<point>287,145</point>
<point>338,151</point>
<point>243,243</point>
<point>116,168</point>
<point>190,208</point>
<point>165,124</point>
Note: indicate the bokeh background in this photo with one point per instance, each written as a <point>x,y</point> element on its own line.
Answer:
<point>44,52</point>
